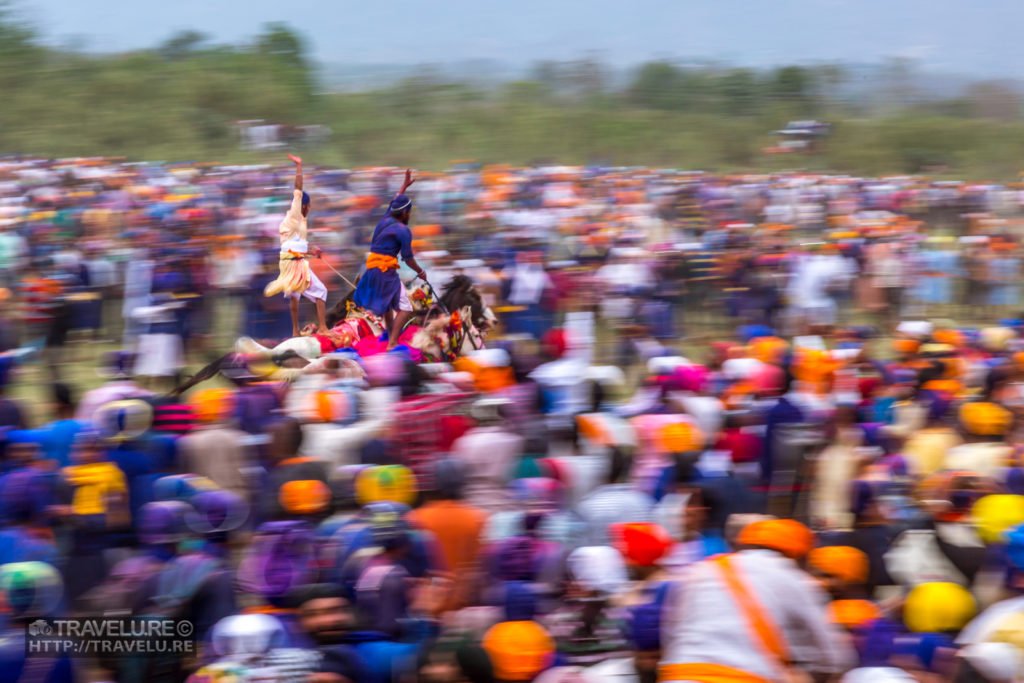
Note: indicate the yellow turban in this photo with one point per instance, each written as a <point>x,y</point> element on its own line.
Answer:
<point>938,607</point>
<point>395,483</point>
<point>995,514</point>
<point>985,419</point>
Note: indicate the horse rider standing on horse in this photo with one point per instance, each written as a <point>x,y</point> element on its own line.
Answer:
<point>380,290</point>
<point>296,278</point>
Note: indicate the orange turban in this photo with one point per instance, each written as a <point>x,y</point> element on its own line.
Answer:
<point>841,561</point>
<point>519,650</point>
<point>211,405</point>
<point>768,349</point>
<point>486,378</point>
<point>951,337</point>
<point>680,437</point>
<point>985,419</point>
<point>328,405</point>
<point>852,614</point>
<point>787,536</point>
<point>815,367</point>
<point>304,497</point>
<point>1018,360</point>
<point>641,543</point>
<point>945,386</point>
<point>906,345</point>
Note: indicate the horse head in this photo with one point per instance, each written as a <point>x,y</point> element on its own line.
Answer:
<point>459,293</point>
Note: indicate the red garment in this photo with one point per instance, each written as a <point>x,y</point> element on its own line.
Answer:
<point>743,446</point>
<point>452,427</point>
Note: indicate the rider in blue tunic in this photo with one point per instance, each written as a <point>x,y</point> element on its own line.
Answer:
<point>380,290</point>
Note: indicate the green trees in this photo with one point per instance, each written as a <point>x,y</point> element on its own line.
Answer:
<point>179,101</point>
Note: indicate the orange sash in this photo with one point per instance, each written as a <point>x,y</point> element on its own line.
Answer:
<point>706,673</point>
<point>382,262</point>
<point>765,632</point>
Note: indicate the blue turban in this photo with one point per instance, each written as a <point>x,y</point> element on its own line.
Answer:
<point>399,203</point>
<point>305,198</point>
<point>1015,546</point>
<point>748,332</point>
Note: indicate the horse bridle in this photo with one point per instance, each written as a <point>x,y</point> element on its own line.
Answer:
<point>438,304</point>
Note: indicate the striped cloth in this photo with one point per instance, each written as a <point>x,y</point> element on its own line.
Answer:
<point>420,433</point>
<point>172,417</point>
<point>39,300</point>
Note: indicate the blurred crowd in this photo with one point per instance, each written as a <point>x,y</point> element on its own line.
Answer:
<point>728,429</point>
<point>102,250</point>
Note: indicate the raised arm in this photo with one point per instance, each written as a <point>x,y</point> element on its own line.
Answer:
<point>409,180</point>
<point>298,171</point>
<point>407,183</point>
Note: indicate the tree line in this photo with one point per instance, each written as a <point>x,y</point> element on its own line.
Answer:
<point>179,101</point>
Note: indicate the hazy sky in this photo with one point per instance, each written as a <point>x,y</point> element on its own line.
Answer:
<point>968,36</point>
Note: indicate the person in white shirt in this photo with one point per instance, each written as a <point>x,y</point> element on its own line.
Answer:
<point>705,630</point>
<point>297,279</point>
<point>489,453</point>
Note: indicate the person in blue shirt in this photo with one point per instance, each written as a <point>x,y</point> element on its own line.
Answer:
<point>23,536</point>
<point>57,438</point>
<point>380,289</point>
